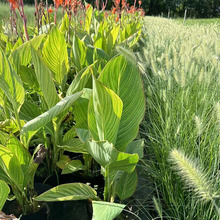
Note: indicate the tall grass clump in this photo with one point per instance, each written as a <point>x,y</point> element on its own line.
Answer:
<point>180,66</point>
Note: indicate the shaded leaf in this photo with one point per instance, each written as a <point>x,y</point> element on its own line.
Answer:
<point>68,192</point>
<point>73,166</point>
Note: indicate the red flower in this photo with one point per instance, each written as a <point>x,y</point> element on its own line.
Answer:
<point>14,3</point>
<point>139,2</point>
<point>87,6</point>
<point>117,19</point>
<point>113,11</point>
<point>50,10</point>
<point>58,3</point>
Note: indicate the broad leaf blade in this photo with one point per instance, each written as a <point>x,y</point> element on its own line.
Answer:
<point>68,192</point>
<point>55,55</point>
<point>88,18</point>
<point>4,191</point>
<point>30,111</point>
<point>105,109</point>
<point>102,151</point>
<point>81,110</point>
<point>136,147</point>
<point>74,145</point>
<point>22,55</point>
<point>106,155</point>
<point>126,185</point>
<point>11,166</point>
<point>106,210</point>
<point>45,80</point>
<point>20,152</point>
<point>124,79</point>
<point>10,83</point>
<point>31,127</point>
<point>73,166</point>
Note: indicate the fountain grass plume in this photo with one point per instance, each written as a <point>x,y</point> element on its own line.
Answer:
<point>194,176</point>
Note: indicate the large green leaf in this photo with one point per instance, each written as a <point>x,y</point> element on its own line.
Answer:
<point>28,77</point>
<point>73,166</point>
<point>55,55</point>
<point>74,145</point>
<point>20,152</point>
<point>67,192</point>
<point>88,18</point>
<point>65,23</point>
<point>31,127</point>
<point>4,136</point>
<point>69,134</point>
<point>124,79</point>
<point>30,111</point>
<point>4,191</point>
<point>81,80</point>
<point>136,147</point>
<point>4,176</point>
<point>80,110</point>
<point>106,155</point>
<point>10,83</point>
<point>22,55</point>
<point>106,210</point>
<point>112,38</point>
<point>45,80</point>
<point>126,185</point>
<point>83,134</point>
<point>78,52</point>
<point>82,55</point>
<point>104,115</point>
<point>11,166</point>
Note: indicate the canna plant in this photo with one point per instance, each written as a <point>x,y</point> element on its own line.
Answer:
<point>107,120</point>
<point>72,98</point>
<point>17,170</point>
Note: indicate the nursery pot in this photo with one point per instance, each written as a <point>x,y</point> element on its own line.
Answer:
<point>40,215</point>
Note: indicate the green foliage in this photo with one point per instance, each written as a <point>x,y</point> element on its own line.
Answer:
<point>70,191</point>
<point>106,210</point>
<point>4,191</point>
<point>69,89</point>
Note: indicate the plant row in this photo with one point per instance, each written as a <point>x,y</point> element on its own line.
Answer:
<point>70,89</point>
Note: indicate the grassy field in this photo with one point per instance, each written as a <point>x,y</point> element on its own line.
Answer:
<point>199,21</point>
<point>181,70</point>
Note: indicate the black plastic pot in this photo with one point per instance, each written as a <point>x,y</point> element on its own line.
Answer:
<point>70,210</point>
<point>40,215</point>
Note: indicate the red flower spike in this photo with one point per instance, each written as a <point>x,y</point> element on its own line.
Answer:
<point>58,3</point>
<point>14,3</point>
<point>50,10</point>
<point>87,6</point>
<point>113,11</point>
<point>139,2</point>
<point>117,19</point>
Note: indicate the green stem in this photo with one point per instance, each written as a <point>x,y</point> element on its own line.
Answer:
<point>87,163</point>
<point>107,185</point>
<point>55,144</point>
<point>22,199</point>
